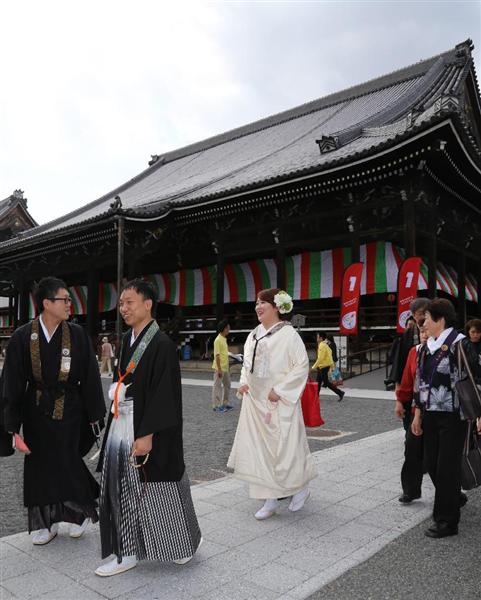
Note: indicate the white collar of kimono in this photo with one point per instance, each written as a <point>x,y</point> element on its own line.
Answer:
<point>261,330</point>
<point>435,343</point>
<point>133,337</point>
<point>48,337</point>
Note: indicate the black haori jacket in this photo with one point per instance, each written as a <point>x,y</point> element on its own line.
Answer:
<point>157,393</point>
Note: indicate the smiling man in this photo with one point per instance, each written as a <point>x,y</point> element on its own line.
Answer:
<point>52,390</point>
<point>146,509</point>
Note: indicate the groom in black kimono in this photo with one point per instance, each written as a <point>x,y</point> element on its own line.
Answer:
<point>146,509</point>
<point>52,390</point>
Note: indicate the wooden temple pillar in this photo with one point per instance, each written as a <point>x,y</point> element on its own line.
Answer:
<point>219,295</point>
<point>478,286</point>
<point>23,301</point>
<point>93,303</point>
<point>281,280</point>
<point>461,283</point>
<point>409,224</point>
<point>11,310</point>
<point>432,265</point>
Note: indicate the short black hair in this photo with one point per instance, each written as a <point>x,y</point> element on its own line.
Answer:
<point>221,325</point>
<point>47,288</point>
<point>442,308</point>
<point>322,335</point>
<point>142,287</point>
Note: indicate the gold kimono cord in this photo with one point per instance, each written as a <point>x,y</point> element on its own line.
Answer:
<point>37,364</point>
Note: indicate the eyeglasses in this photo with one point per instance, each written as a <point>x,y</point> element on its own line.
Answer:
<point>65,300</point>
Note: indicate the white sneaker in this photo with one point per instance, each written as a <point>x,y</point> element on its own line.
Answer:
<point>77,531</point>
<point>113,567</point>
<point>44,536</point>
<point>269,509</point>
<point>184,561</point>
<point>299,499</point>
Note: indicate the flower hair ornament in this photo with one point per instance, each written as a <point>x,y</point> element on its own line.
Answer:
<point>283,302</point>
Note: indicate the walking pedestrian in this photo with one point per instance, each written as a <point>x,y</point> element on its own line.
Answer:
<point>437,415</point>
<point>323,364</point>
<point>220,364</point>
<point>412,469</point>
<point>146,509</point>
<point>270,448</point>
<point>52,391</point>
<point>107,355</point>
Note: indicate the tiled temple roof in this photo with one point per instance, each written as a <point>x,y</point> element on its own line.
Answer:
<point>359,121</point>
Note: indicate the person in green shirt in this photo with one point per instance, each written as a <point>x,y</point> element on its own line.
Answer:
<point>220,364</point>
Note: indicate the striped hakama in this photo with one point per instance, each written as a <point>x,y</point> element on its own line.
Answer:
<point>149,520</point>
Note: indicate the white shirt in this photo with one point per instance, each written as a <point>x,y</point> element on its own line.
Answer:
<point>48,337</point>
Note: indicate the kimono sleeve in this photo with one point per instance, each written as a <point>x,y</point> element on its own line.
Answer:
<point>14,383</point>
<point>292,385</point>
<point>162,407</point>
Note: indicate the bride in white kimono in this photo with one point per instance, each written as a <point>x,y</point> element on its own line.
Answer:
<point>270,448</point>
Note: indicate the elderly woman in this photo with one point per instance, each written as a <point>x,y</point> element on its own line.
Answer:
<point>438,415</point>
<point>270,449</point>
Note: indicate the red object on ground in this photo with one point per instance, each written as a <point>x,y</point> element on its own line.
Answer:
<point>311,406</point>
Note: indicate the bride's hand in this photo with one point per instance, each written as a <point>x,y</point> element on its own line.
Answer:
<point>273,397</point>
<point>243,389</point>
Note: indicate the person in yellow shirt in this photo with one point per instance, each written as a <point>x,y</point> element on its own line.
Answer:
<point>220,364</point>
<point>323,363</point>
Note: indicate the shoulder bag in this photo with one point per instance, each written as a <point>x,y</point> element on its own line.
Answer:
<point>471,460</point>
<point>468,392</point>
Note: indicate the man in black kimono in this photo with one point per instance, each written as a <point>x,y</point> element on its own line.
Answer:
<point>146,509</point>
<point>52,390</point>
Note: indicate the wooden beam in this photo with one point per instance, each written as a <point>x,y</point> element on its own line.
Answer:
<point>461,309</point>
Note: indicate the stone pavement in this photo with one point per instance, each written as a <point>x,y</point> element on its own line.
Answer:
<point>352,514</point>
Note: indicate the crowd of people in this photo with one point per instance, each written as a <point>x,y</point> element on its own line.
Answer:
<point>53,410</point>
<point>432,357</point>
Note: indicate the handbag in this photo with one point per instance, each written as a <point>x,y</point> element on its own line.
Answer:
<point>471,460</point>
<point>336,377</point>
<point>311,406</point>
<point>468,392</point>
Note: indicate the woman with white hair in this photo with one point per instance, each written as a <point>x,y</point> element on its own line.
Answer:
<point>270,449</point>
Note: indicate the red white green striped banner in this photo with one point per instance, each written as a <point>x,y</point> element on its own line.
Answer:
<point>107,297</point>
<point>4,321</point>
<point>78,293</point>
<point>197,287</point>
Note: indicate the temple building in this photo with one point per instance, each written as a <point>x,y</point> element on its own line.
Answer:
<point>383,170</point>
<point>14,218</point>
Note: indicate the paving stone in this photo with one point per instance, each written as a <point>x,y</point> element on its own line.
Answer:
<point>5,594</point>
<point>277,577</point>
<point>240,590</point>
<point>35,583</point>
<point>14,562</point>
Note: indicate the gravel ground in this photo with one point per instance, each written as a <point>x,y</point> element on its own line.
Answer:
<point>208,439</point>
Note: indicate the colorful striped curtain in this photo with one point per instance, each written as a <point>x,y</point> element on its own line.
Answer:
<point>107,298</point>
<point>4,321</point>
<point>197,287</point>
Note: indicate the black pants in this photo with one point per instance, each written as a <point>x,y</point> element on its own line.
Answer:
<point>412,469</point>
<point>444,435</point>
<point>323,378</point>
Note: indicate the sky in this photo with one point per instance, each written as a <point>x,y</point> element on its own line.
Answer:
<point>90,90</point>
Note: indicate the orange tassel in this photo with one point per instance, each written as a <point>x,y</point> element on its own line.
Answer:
<point>130,368</point>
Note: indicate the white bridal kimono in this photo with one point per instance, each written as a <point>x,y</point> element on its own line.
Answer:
<point>270,448</point>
